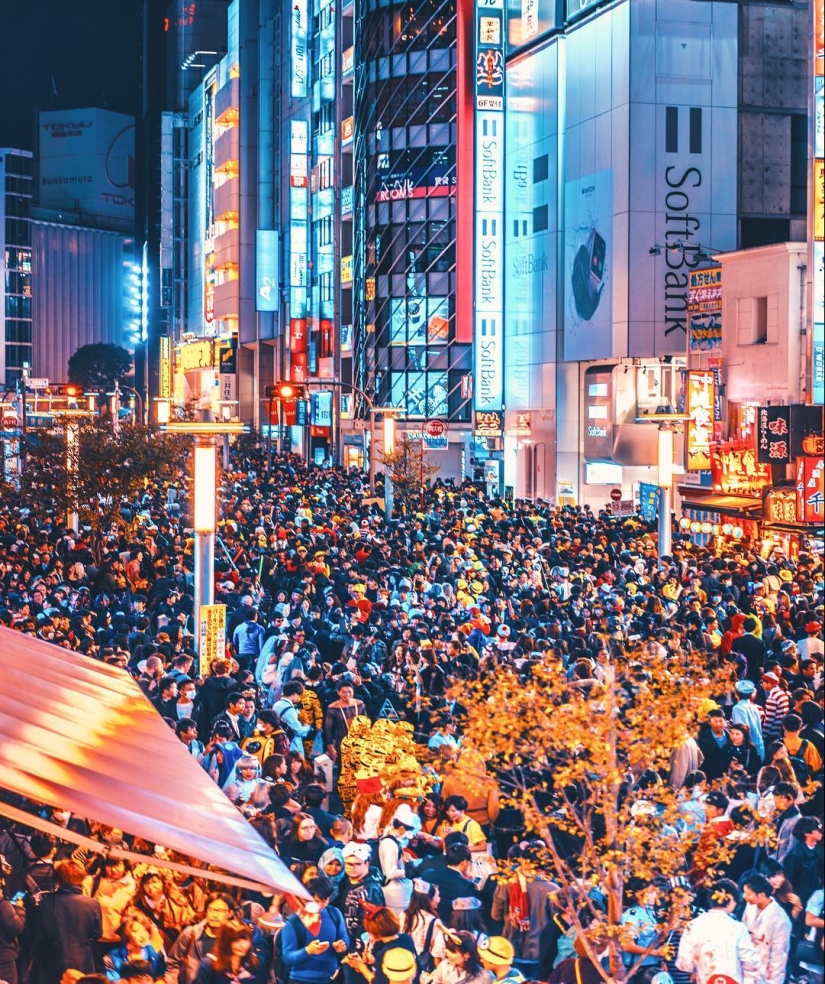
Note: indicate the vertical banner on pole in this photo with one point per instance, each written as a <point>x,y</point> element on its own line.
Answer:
<point>213,636</point>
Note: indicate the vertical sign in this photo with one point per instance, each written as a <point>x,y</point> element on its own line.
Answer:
<point>817,202</point>
<point>705,310</point>
<point>299,86</point>
<point>773,440</point>
<point>212,635</point>
<point>165,368</point>
<point>489,209</point>
<point>266,270</point>
<point>298,249</point>
<point>810,488</point>
<point>701,399</point>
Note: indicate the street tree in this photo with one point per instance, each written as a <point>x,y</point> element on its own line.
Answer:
<point>410,468</point>
<point>99,365</point>
<point>587,767</point>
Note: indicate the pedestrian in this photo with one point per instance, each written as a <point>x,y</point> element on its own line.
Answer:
<point>67,925</point>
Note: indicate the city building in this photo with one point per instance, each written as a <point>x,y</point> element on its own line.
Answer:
<point>16,181</point>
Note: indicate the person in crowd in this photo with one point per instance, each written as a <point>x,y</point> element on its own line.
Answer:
<point>136,933</point>
<point>233,958</point>
<point>314,945</point>
<point>68,923</point>
<point>197,941</point>
<point>768,925</point>
<point>12,924</point>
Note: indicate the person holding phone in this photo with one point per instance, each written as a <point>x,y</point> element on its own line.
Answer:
<point>12,923</point>
<point>314,941</point>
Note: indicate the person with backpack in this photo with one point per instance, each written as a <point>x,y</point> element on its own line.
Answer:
<point>804,758</point>
<point>422,925</point>
<point>309,947</point>
<point>286,711</point>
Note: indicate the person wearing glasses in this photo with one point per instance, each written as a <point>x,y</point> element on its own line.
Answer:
<point>198,941</point>
<point>304,841</point>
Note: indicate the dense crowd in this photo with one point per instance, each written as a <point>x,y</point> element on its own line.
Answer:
<point>336,618</point>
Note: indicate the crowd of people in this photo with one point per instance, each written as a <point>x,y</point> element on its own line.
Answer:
<point>336,616</point>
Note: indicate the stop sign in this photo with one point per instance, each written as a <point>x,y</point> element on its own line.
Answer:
<point>435,428</point>
<point>616,494</point>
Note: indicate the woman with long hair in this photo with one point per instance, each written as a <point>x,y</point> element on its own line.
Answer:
<point>428,843</point>
<point>783,891</point>
<point>422,925</point>
<point>767,777</point>
<point>461,963</point>
<point>366,814</point>
<point>303,842</point>
<point>383,930</point>
<point>467,918</point>
<point>137,931</point>
<point>776,754</point>
<point>744,750</point>
<point>298,772</point>
<point>233,959</point>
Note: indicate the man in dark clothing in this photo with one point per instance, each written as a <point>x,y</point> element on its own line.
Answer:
<point>68,922</point>
<point>452,881</point>
<point>715,745</point>
<point>212,696</point>
<point>12,923</point>
<point>752,648</point>
<point>358,885</point>
<point>165,700</point>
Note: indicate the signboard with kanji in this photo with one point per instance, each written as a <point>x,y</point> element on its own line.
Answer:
<point>212,635</point>
<point>810,490</point>
<point>773,435</point>
<point>735,469</point>
<point>701,397</point>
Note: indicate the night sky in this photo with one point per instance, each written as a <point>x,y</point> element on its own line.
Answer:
<point>90,47</point>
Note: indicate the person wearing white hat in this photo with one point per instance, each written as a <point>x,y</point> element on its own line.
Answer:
<point>747,711</point>
<point>392,858</point>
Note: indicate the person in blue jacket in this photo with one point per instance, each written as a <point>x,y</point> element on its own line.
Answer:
<point>312,946</point>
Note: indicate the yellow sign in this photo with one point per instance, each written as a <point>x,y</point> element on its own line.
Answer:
<point>567,494</point>
<point>165,384</point>
<point>346,269</point>
<point>196,355</point>
<point>212,636</point>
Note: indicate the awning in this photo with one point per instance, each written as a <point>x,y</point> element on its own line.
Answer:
<point>80,735</point>
<point>730,505</point>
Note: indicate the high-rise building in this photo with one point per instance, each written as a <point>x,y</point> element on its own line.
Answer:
<point>16,253</point>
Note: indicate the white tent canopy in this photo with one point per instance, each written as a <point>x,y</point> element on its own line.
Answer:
<point>80,735</point>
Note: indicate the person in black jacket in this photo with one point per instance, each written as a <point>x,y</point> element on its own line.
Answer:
<point>715,744</point>
<point>68,922</point>
<point>452,882</point>
<point>12,923</point>
<point>752,648</point>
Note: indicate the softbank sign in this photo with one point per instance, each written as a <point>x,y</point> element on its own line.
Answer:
<point>489,207</point>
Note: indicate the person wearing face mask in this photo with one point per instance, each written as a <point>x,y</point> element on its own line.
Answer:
<point>393,855</point>
<point>187,702</point>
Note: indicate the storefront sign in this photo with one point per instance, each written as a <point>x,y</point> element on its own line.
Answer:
<point>780,506</point>
<point>347,130</point>
<point>735,470</point>
<point>212,636</point>
<point>489,423</point>
<point>299,86</point>
<point>196,355</point>
<point>705,310</point>
<point>773,436</point>
<point>701,398</point>
<point>597,437</point>
<point>321,408</point>
<point>346,269</point>
<point>810,490</point>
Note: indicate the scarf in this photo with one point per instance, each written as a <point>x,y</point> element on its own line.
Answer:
<point>519,910</point>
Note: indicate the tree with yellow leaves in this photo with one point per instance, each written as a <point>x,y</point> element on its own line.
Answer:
<point>587,767</point>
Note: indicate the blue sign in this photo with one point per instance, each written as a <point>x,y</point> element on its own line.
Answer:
<point>266,270</point>
<point>648,501</point>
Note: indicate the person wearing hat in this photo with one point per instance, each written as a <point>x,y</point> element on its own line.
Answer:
<point>497,955</point>
<point>777,705</point>
<point>746,711</point>
<point>461,964</point>
<point>812,644</point>
<point>360,887</point>
<point>392,857</point>
<point>399,965</point>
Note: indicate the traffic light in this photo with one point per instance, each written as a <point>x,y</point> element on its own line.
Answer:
<point>285,391</point>
<point>72,393</point>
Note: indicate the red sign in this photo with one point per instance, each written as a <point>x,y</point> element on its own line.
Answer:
<point>616,494</point>
<point>735,470</point>
<point>9,423</point>
<point>297,335</point>
<point>298,373</point>
<point>810,490</point>
<point>435,428</point>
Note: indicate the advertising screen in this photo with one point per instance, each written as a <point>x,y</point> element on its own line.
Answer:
<point>528,20</point>
<point>588,260</point>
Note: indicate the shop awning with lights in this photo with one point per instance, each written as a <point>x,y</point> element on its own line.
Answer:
<point>742,507</point>
<point>79,735</point>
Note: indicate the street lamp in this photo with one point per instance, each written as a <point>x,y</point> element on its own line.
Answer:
<point>664,462</point>
<point>204,507</point>
<point>390,415</point>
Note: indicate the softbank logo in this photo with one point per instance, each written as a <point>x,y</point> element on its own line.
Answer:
<point>524,266</point>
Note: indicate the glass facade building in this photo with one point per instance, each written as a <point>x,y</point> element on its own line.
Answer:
<point>16,251</point>
<point>404,136</point>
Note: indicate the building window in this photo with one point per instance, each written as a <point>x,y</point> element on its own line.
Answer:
<point>541,218</point>
<point>541,168</point>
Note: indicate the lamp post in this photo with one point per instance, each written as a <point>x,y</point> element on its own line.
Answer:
<point>666,419</point>
<point>389,447</point>
<point>72,419</point>
<point>205,485</point>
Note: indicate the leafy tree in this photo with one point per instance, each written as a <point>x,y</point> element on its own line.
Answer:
<point>585,769</point>
<point>99,365</point>
<point>410,468</point>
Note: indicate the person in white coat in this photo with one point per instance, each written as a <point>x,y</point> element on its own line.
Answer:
<point>769,926</point>
<point>715,944</point>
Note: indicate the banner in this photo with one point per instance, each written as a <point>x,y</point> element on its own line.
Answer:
<point>212,636</point>
<point>735,470</point>
<point>810,490</point>
<point>648,502</point>
<point>705,310</point>
<point>701,399</point>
